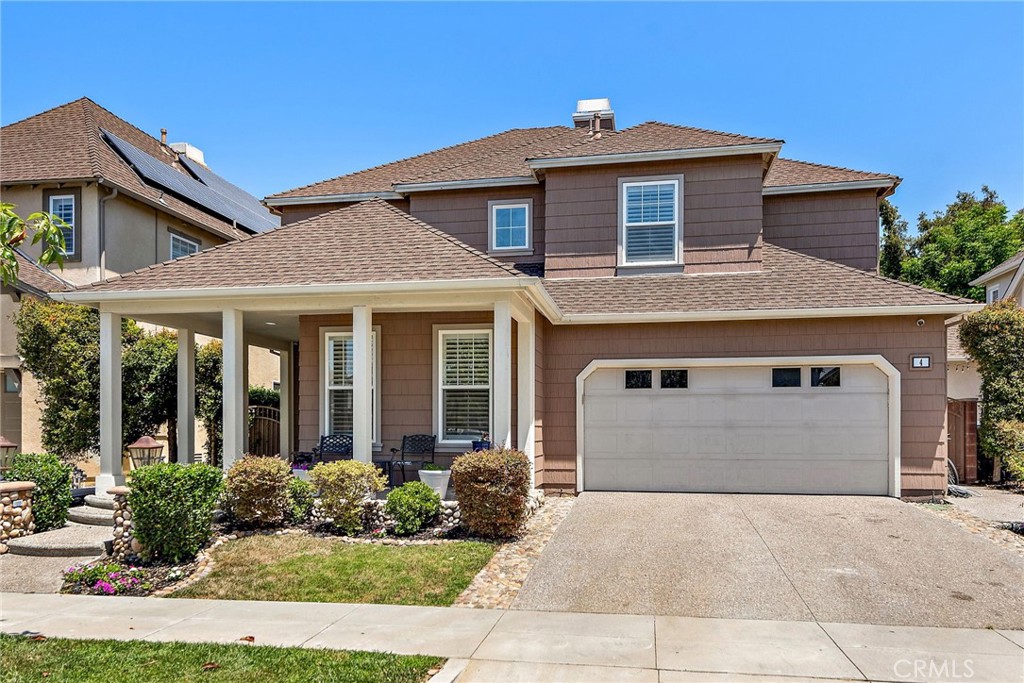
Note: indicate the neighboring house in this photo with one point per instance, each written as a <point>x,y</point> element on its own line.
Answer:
<point>658,308</point>
<point>130,201</point>
<point>963,384</point>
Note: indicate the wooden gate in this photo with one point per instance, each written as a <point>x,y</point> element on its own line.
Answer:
<point>961,425</point>
<point>264,430</point>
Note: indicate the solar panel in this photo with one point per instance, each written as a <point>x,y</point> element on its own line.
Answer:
<point>158,173</point>
<point>231,191</point>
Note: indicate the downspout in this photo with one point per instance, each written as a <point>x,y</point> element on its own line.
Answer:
<point>103,231</point>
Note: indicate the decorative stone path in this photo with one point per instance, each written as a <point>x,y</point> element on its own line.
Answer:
<point>498,583</point>
<point>993,531</point>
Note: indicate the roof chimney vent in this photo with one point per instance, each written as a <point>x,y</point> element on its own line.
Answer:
<point>189,151</point>
<point>163,136</point>
<point>594,112</point>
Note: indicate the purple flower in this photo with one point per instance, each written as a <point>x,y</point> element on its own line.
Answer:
<point>105,587</point>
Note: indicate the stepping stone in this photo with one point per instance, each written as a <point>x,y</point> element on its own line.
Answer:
<point>71,541</point>
<point>102,502</point>
<point>86,514</point>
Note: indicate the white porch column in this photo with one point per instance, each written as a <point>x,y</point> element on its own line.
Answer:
<point>362,392</point>
<point>286,404</point>
<point>111,445</point>
<point>186,395</point>
<point>234,387</point>
<point>526,365</point>
<point>502,382</point>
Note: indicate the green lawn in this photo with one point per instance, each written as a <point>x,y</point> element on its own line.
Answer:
<point>314,569</point>
<point>101,661</point>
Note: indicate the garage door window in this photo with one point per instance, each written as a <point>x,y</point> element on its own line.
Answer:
<point>785,377</point>
<point>825,377</point>
<point>638,379</point>
<point>674,379</point>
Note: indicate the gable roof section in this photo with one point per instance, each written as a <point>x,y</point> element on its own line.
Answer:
<point>789,175</point>
<point>369,242</point>
<point>65,143</point>
<point>35,278</point>
<point>789,281</point>
<point>381,179</point>
<point>650,137</point>
<point>1003,268</point>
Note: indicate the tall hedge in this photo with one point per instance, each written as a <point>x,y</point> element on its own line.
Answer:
<point>994,338</point>
<point>172,508</point>
<point>52,495</point>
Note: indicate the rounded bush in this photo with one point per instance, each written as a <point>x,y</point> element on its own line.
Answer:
<point>257,490</point>
<point>343,486</point>
<point>412,505</point>
<point>172,508</point>
<point>1007,441</point>
<point>300,500</point>
<point>52,496</point>
<point>493,487</point>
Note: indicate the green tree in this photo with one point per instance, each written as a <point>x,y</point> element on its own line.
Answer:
<point>150,381</point>
<point>994,338</point>
<point>14,231</point>
<point>209,397</point>
<point>894,240</point>
<point>957,245</point>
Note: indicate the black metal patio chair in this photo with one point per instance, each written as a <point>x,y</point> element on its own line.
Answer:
<point>417,449</point>
<point>333,447</point>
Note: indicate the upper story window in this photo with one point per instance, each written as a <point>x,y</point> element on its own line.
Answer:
<point>510,225</point>
<point>182,246</point>
<point>63,207</point>
<point>993,294</point>
<point>650,222</point>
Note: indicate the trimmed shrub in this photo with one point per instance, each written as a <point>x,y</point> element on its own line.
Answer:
<point>52,495</point>
<point>344,485</point>
<point>412,505</point>
<point>172,508</point>
<point>1007,441</point>
<point>492,487</point>
<point>256,490</point>
<point>264,396</point>
<point>300,500</point>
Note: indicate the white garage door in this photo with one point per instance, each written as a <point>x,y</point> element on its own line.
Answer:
<point>771,429</point>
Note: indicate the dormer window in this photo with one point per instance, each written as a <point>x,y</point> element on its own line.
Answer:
<point>510,225</point>
<point>650,221</point>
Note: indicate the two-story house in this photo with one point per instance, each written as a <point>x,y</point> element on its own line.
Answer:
<point>656,308</point>
<point>129,200</point>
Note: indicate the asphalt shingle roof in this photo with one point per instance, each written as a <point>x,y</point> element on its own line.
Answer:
<point>368,242</point>
<point>35,276</point>
<point>65,143</point>
<point>788,280</point>
<point>785,172</point>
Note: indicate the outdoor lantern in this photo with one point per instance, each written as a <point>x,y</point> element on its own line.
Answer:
<point>7,451</point>
<point>146,451</point>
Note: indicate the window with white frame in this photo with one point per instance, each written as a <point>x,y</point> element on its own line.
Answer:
<point>510,225</point>
<point>993,294</point>
<point>650,222</point>
<point>63,207</point>
<point>339,380</point>
<point>182,246</point>
<point>464,385</point>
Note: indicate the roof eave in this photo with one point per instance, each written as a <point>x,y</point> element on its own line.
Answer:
<point>659,155</point>
<point>764,314</point>
<point>998,271</point>
<point>330,198</point>
<point>879,184</point>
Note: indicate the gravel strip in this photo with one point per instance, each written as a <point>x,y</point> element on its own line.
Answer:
<point>993,531</point>
<point>498,583</point>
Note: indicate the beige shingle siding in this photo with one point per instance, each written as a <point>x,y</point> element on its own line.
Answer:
<point>369,242</point>
<point>788,281</point>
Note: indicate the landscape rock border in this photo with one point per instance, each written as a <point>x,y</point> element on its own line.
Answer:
<point>16,518</point>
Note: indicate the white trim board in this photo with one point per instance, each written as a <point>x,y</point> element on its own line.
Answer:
<point>659,155</point>
<point>830,187</point>
<point>880,362</point>
<point>330,198</point>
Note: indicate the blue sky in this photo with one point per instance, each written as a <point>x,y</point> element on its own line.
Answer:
<point>281,95</point>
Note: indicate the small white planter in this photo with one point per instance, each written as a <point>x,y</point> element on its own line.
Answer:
<point>301,474</point>
<point>437,480</point>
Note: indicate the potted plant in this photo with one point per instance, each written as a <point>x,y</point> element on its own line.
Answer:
<point>436,477</point>
<point>483,444</point>
<point>300,470</point>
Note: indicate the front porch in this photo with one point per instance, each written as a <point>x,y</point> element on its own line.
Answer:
<point>457,364</point>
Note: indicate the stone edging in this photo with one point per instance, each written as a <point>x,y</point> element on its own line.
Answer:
<point>16,518</point>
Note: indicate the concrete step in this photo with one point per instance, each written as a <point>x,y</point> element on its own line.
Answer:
<point>74,540</point>
<point>86,514</point>
<point>103,502</point>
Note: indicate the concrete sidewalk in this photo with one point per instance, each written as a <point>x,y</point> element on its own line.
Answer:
<point>495,645</point>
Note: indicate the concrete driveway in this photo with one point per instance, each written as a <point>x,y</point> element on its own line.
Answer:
<point>806,558</point>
